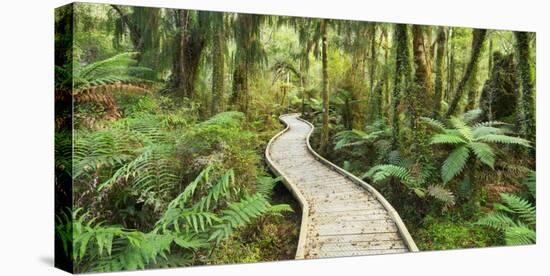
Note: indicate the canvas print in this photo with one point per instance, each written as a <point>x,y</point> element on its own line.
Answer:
<point>187,137</point>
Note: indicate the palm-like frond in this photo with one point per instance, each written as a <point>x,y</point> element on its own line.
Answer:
<point>503,139</point>
<point>484,153</point>
<point>383,172</point>
<point>455,163</point>
<point>447,139</point>
<point>465,138</point>
<point>435,124</point>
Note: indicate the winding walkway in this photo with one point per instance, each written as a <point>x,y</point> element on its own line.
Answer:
<point>341,214</point>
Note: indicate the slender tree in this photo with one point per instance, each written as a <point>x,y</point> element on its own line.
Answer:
<point>324,45</point>
<point>248,54</point>
<point>422,74</point>
<point>438,92</point>
<point>478,37</point>
<point>218,49</point>
<point>525,72</point>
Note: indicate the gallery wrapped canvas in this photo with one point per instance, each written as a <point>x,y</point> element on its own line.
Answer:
<point>186,137</point>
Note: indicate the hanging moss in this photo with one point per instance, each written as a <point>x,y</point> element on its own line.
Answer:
<point>499,96</point>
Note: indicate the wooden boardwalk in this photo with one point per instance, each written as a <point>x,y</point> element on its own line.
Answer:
<point>341,214</point>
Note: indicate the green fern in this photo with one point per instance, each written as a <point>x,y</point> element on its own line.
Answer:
<point>467,139</point>
<point>382,172</point>
<point>455,163</point>
<point>515,218</point>
<point>416,182</point>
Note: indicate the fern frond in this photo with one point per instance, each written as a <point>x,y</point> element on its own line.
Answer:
<point>483,152</point>
<point>265,185</point>
<point>239,214</point>
<point>435,124</point>
<point>462,128</point>
<point>442,194</point>
<point>447,139</point>
<point>521,207</point>
<point>520,235</point>
<point>503,139</point>
<point>531,183</point>
<point>219,190</point>
<point>490,124</point>
<point>498,221</point>
<point>382,172</point>
<point>485,130</point>
<point>455,163</point>
<point>189,191</point>
<point>472,115</point>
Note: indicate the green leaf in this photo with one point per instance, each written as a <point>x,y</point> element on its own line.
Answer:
<point>454,164</point>
<point>483,152</point>
<point>503,139</point>
<point>447,139</point>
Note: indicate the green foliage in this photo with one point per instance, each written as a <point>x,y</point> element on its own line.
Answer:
<point>190,222</point>
<point>466,139</point>
<point>415,182</point>
<point>440,233</point>
<point>119,68</point>
<point>515,218</point>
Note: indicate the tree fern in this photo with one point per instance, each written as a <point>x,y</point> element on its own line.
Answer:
<point>416,182</point>
<point>465,139</point>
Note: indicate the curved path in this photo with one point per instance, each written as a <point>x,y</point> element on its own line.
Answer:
<point>341,214</point>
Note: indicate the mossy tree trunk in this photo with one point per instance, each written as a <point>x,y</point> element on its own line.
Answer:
<point>478,37</point>
<point>450,67</point>
<point>218,34</point>
<point>189,46</point>
<point>402,73</point>
<point>423,91</point>
<point>525,72</point>
<point>420,96</point>
<point>440,57</point>
<point>325,128</point>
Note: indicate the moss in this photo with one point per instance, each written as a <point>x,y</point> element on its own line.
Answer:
<point>453,233</point>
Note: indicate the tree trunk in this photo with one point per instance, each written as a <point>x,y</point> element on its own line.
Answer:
<point>217,62</point>
<point>423,89</point>
<point>525,72</point>
<point>450,67</point>
<point>324,131</point>
<point>387,95</point>
<point>478,37</point>
<point>189,45</point>
<point>402,71</point>
<point>473,91</point>
<point>441,47</point>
